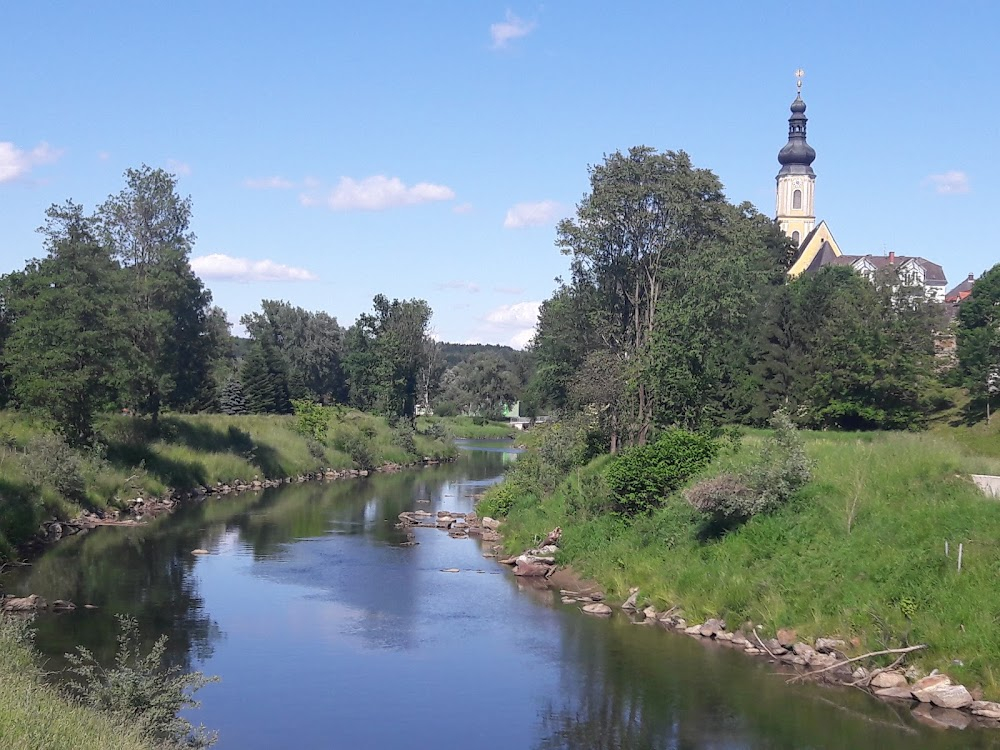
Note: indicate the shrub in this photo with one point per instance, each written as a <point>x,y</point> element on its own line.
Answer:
<point>311,419</point>
<point>403,437</point>
<point>358,445</point>
<point>141,690</point>
<point>48,459</point>
<point>775,474</point>
<point>498,500</point>
<point>569,442</point>
<point>642,476</point>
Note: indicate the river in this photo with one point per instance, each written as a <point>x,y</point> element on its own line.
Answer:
<point>328,633</point>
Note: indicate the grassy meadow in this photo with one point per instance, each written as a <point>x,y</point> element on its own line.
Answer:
<point>858,553</point>
<point>41,478</point>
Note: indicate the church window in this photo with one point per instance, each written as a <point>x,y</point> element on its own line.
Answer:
<point>797,199</point>
<point>795,237</point>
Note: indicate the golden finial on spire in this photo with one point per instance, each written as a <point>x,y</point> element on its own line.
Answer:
<point>799,75</point>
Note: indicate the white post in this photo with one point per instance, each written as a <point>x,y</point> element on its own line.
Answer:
<point>946,548</point>
<point>960,557</point>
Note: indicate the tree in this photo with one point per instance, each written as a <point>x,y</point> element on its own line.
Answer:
<point>645,213</point>
<point>484,383</point>
<point>385,352</point>
<point>563,339</point>
<point>311,343</point>
<point>64,353</point>
<point>147,228</point>
<point>231,398</point>
<point>979,337</point>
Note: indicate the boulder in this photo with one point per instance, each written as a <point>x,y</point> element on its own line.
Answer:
<point>450,570</point>
<point>921,688</point>
<point>986,709</point>
<point>830,645</point>
<point>61,605</point>
<point>885,680</point>
<point>804,650</point>
<point>775,647</point>
<point>597,608</point>
<point>950,696</point>
<point>629,605</point>
<point>553,537</point>
<point>711,628</point>
<point>790,658</point>
<point>898,693</point>
<point>821,661</point>
<point>199,551</point>
<point>531,570</point>
<point>739,639</point>
<point>490,523</point>
<point>29,603</point>
<point>786,637</point>
<point>728,637</point>
<point>693,630</point>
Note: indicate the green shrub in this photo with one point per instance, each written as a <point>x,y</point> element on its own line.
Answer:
<point>358,445</point>
<point>140,689</point>
<point>641,477</point>
<point>48,459</point>
<point>403,437</point>
<point>498,500</point>
<point>311,419</point>
<point>569,442</point>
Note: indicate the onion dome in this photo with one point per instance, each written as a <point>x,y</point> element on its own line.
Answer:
<point>797,156</point>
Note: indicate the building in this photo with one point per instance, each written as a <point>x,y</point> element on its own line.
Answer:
<point>796,216</point>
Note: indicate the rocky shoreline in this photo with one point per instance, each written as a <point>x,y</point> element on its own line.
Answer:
<point>934,699</point>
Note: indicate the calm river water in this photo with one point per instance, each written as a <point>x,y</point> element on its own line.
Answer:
<point>329,634</point>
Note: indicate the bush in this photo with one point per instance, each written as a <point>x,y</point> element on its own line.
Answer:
<point>775,474</point>
<point>48,459</point>
<point>311,419</point>
<point>403,437</point>
<point>357,444</point>
<point>569,442</point>
<point>141,690</point>
<point>498,500</point>
<point>642,476</point>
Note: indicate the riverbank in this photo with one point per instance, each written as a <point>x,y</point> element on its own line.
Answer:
<point>34,715</point>
<point>44,480</point>
<point>858,555</point>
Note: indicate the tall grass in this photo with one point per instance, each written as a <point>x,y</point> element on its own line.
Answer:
<point>859,553</point>
<point>33,715</point>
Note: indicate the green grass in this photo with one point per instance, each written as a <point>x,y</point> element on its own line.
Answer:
<point>859,553</point>
<point>33,715</point>
<point>186,451</point>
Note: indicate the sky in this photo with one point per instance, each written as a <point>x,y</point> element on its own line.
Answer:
<point>334,151</point>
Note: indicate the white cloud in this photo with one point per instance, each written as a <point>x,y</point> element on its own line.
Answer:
<point>523,215</point>
<point>268,183</point>
<point>223,267</point>
<point>377,193</point>
<point>521,339</point>
<point>16,163</point>
<point>462,286</point>
<point>949,183</point>
<point>179,168</point>
<point>516,315</point>
<point>462,208</point>
<point>513,27</point>
<point>509,289</point>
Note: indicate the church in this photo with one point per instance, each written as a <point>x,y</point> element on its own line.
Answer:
<point>796,216</point>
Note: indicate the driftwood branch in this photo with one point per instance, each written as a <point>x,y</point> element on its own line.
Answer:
<point>906,650</point>
<point>763,646</point>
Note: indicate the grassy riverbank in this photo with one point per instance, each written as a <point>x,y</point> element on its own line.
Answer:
<point>859,553</point>
<point>41,478</point>
<point>33,715</point>
<point>467,428</point>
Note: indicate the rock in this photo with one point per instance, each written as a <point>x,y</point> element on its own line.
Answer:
<point>830,645</point>
<point>22,604</point>
<point>451,570</point>
<point>443,521</point>
<point>821,661</point>
<point>553,537</point>
<point>790,658</point>
<point>489,523</point>
<point>629,605</point>
<point>90,606</point>
<point>898,693</point>
<point>680,623</point>
<point>922,687</point>
<point>860,673</point>
<point>728,637</point>
<point>693,630</point>
<point>597,596</point>
<point>597,608</point>
<point>711,628</point>
<point>986,709</point>
<point>752,650</point>
<point>199,552</point>
<point>527,559</point>
<point>568,600</point>
<point>739,639</point>
<point>786,637</point>
<point>775,647</point>
<point>61,605</point>
<point>884,680</point>
<point>804,650</point>
<point>950,696</point>
<point>532,570</point>
<point>943,718</point>
<point>649,613</point>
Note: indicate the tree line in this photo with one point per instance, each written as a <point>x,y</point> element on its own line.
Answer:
<point>113,317</point>
<point>678,312</point>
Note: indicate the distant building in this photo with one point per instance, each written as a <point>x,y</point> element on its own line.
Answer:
<point>796,216</point>
<point>960,292</point>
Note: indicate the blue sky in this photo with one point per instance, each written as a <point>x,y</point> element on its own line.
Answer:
<point>337,150</point>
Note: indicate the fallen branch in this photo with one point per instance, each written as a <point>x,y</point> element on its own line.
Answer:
<point>906,650</point>
<point>763,646</point>
<point>866,681</point>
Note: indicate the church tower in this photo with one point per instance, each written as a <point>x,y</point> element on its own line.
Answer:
<point>796,179</point>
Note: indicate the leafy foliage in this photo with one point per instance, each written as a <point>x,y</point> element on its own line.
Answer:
<point>979,338</point>
<point>141,689</point>
<point>641,477</point>
<point>311,419</point>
